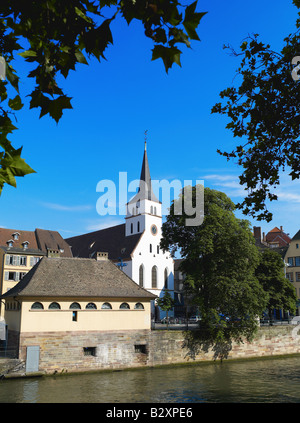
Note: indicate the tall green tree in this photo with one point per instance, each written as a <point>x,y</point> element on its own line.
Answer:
<point>271,275</point>
<point>55,36</point>
<point>166,303</point>
<point>263,114</point>
<point>220,259</point>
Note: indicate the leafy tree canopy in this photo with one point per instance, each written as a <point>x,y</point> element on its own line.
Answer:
<point>220,258</point>
<point>271,275</point>
<point>263,112</point>
<point>56,35</point>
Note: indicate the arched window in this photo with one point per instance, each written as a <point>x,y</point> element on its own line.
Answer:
<point>54,306</point>
<point>166,278</point>
<point>106,306</point>
<point>141,276</point>
<point>91,306</point>
<point>154,277</point>
<point>124,306</point>
<point>37,306</point>
<point>75,306</point>
<point>139,306</point>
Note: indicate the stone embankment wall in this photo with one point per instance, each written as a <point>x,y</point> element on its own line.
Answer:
<point>73,352</point>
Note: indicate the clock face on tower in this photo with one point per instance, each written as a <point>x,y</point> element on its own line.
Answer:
<point>153,229</point>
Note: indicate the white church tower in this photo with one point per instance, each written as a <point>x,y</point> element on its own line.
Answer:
<point>150,267</point>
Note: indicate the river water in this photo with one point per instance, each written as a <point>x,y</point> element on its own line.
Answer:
<point>264,381</point>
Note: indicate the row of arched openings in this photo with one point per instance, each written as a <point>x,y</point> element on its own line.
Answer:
<point>89,306</point>
<point>154,278</point>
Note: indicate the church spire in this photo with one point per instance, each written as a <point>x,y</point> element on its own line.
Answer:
<point>145,191</point>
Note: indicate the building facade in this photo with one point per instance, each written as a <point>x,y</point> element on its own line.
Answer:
<point>21,250</point>
<point>135,245</point>
<point>292,265</point>
<point>69,307</point>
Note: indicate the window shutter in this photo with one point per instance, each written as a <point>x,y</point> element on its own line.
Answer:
<point>7,259</point>
<point>6,276</point>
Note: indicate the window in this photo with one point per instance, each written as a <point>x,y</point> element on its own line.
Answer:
<point>166,278</point>
<point>151,209</point>
<point>291,261</point>
<point>157,249</point>
<point>290,276</point>
<point>140,349</point>
<point>155,210</point>
<point>139,306</point>
<point>75,306</point>
<point>11,276</point>
<point>138,226</point>
<point>297,245</point>
<point>297,261</point>
<point>297,276</point>
<point>131,227</point>
<point>37,306</point>
<point>89,351</point>
<point>16,236</point>
<point>34,260</point>
<point>54,306</point>
<point>141,276</point>
<point>106,306</point>
<point>74,316</point>
<point>124,306</point>
<point>150,248</point>
<point>23,261</point>
<point>91,306</point>
<point>25,245</point>
<point>154,277</point>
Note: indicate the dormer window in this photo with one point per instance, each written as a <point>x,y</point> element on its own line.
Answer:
<point>25,244</point>
<point>10,243</point>
<point>16,236</point>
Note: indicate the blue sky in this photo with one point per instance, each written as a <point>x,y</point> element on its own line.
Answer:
<point>116,100</point>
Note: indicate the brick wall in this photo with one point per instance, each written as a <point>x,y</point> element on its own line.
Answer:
<point>64,351</point>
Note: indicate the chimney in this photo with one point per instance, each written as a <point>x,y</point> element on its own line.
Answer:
<point>281,230</point>
<point>52,252</point>
<point>257,232</point>
<point>101,256</point>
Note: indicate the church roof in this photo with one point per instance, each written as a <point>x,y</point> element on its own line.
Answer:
<point>145,191</point>
<point>111,240</point>
<point>77,277</point>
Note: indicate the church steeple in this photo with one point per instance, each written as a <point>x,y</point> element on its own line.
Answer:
<point>145,191</point>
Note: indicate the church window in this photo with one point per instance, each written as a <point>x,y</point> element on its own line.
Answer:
<point>139,306</point>
<point>131,227</point>
<point>150,248</point>
<point>138,226</point>
<point>155,210</point>
<point>166,278</point>
<point>158,249</point>
<point>75,306</point>
<point>37,306</point>
<point>154,277</point>
<point>141,276</point>
<point>151,209</point>
<point>124,306</point>
<point>54,306</point>
<point>91,306</point>
<point>106,306</point>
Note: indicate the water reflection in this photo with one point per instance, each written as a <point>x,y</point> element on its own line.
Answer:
<point>275,380</point>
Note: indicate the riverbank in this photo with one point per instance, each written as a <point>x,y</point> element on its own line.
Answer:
<point>146,349</point>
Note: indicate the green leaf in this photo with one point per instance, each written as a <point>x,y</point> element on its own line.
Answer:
<point>12,77</point>
<point>16,103</point>
<point>192,20</point>
<point>169,55</point>
<point>28,53</point>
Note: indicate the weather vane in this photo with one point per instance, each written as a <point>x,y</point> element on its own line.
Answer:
<point>145,134</point>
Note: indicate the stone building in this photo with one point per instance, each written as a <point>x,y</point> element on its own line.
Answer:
<point>64,312</point>
<point>292,263</point>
